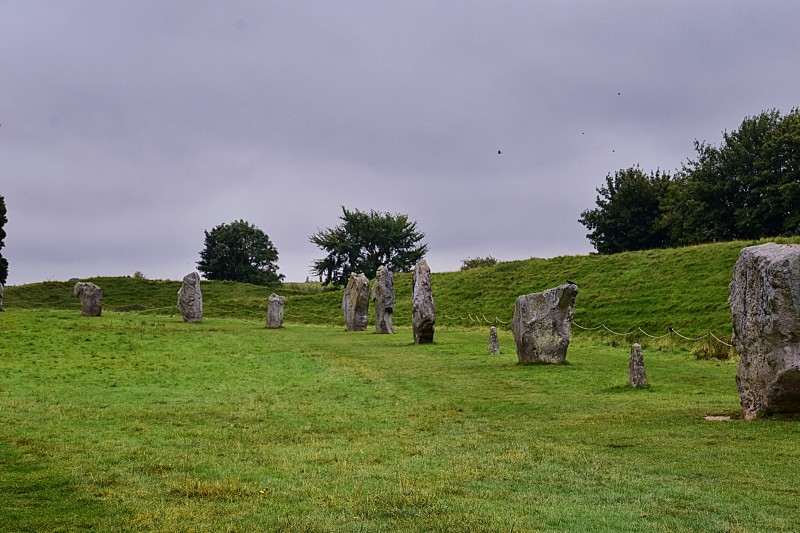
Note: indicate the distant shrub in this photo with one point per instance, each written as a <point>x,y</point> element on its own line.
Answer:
<point>138,275</point>
<point>713,350</point>
<point>478,262</point>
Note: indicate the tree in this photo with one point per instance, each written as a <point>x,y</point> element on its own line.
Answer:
<point>3,261</point>
<point>747,188</point>
<point>365,241</point>
<point>239,251</point>
<point>628,212</point>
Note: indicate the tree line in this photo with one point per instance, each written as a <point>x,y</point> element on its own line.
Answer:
<point>748,187</point>
<point>361,243</point>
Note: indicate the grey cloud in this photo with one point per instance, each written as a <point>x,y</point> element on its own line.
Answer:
<point>173,117</point>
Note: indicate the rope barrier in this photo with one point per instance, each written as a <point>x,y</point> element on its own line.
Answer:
<point>654,336</point>
<point>720,340</point>
<point>616,333</point>
<point>586,329</point>
<point>482,318</point>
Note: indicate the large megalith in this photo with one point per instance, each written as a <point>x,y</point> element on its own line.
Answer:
<point>275,311</point>
<point>355,302</point>
<point>542,323</point>
<point>383,300</point>
<point>190,299</point>
<point>637,377</point>
<point>91,297</point>
<point>423,310</point>
<point>765,307</point>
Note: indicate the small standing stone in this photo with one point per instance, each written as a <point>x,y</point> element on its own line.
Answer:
<point>542,323</point>
<point>383,300</point>
<point>637,378</point>
<point>494,344</point>
<point>91,297</point>
<point>275,311</point>
<point>765,308</point>
<point>1,296</point>
<point>190,299</point>
<point>355,302</point>
<point>423,309</point>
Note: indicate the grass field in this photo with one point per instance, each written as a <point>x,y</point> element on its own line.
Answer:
<point>139,422</point>
<point>684,288</point>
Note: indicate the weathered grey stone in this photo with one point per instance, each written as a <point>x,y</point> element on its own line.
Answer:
<point>275,311</point>
<point>2,290</point>
<point>637,377</point>
<point>91,297</point>
<point>423,310</point>
<point>355,302</point>
<point>542,323</point>
<point>765,306</point>
<point>494,344</point>
<point>383,300</point>
<point>190,299</point>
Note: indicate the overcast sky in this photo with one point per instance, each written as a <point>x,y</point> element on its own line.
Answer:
<point>127,128</point>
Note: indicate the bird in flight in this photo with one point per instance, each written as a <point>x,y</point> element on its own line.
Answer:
<point>499,152</point>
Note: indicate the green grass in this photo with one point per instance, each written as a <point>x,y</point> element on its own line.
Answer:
<point>145,423</point>
<point>684,288</point>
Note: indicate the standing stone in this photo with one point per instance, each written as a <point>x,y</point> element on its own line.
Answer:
<point>542,323</point>
<point>383,300</point>
<point>765,306</point>
<point>275,311</point>
<point>91,297</point>
<point>2,289</point>
<point>423,310</point>
<point>494,344</point>
<point>355,302</point>
<point>190,299</point>
<point>637,378</point>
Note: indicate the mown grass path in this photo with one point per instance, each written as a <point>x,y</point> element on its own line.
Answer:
<point>142,422</point>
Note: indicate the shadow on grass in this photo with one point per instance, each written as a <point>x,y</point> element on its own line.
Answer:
<point>36,497</point>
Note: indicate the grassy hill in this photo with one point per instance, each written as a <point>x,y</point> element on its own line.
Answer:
<point>684,288</point>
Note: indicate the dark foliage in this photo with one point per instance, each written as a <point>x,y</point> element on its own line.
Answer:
<point>747,188</point>
<point>239,251</point>
<point>3,261</point>
<point>627,216</point>
<point>477,262</point>
<point>365,241</point>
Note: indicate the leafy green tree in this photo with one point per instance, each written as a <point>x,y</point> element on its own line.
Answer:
<point>239,251</point>
<point>365,241</point>
<point>3,261</point>
<point>627,216</point>
<point>747,188</point>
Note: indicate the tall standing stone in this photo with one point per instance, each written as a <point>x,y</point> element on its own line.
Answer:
<point>637,378</point>
<point>423,310</point>
<point>2,289</point>
<point>383,300</point>
<point>542,323</point>
<point>765,307</point>
<point>91,297</point>
<point>275,311</point>
<point>355,302</point>
<point>494,344</point>
<point>190,299</point>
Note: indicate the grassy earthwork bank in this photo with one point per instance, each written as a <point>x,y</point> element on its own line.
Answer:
<point>137,421</point>
<point>685,289</point>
